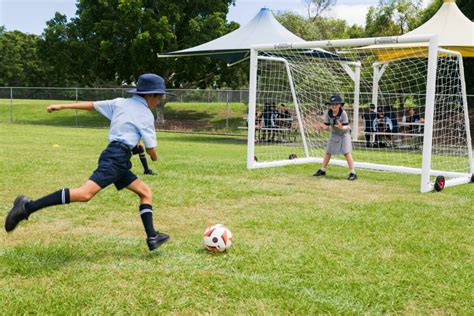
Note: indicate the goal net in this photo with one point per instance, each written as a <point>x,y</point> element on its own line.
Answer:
<point>407,106</point>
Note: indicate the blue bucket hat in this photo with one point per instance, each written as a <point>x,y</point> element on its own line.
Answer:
<point>150,84</point>
<point>335,99</point>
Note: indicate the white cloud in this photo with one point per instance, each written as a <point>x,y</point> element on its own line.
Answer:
<point>356,13</point>
<point>352,13</point>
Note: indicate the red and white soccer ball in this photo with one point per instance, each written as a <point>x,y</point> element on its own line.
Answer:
<point>218,238</point>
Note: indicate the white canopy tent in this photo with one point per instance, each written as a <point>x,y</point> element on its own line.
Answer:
<point>235,46</point>
<point>455,32</point>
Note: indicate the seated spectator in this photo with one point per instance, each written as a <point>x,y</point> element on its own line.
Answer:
<point>384,122</point>
<point>284,122</point>
<point>258,124</point>
<point>380,126</point>
<point>269,122</point>
<point>273,121</point>
<point>411,117</point>
<point>390,119</point>
<point>369,128</point>
<point>265,120</point>
<point>284,117</point>
<point>258,118</point>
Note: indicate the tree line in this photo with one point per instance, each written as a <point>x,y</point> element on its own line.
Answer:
<point>109,43</point>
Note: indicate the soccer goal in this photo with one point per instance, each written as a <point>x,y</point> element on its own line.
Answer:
<point>406,102</point>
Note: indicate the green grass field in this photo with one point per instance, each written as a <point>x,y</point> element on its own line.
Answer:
<point>190,116</point>
<point>303,245</point>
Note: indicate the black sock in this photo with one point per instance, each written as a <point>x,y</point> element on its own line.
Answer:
<point>146,213</point>
<point>144,163</point>
<point>59,197</point>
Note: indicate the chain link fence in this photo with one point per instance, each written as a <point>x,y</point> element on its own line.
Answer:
<point>191,110</point>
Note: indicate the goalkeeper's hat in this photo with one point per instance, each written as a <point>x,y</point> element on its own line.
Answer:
<point>335,99</point>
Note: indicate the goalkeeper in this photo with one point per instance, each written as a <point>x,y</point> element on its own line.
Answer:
<point>339,142</point>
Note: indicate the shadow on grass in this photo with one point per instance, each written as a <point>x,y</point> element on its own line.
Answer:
<point>71,121</point>
<point>206,139</point>
<point>35,258</point>
<point>234,123</point>
<point>186,114</point>
<point>203,251</point>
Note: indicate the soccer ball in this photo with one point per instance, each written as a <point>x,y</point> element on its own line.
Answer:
<point>218,238</point>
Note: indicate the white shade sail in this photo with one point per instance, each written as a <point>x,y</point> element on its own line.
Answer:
<point>455,32</point>
<point>235,46</point>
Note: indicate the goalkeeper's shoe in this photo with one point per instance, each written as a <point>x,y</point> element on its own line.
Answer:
<point>319,173</point>
<point>17,213</point>
<point>158,240</point>
<point>352,176</point>
<point>150,172</point>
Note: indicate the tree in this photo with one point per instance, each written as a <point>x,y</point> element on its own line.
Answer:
<point>114,41</point>
<point>467,8</point>
<point>21,65</point>
<point>316,8</point>
<point>320,28</point>
<point>392,17</point>
<point>60,54</point>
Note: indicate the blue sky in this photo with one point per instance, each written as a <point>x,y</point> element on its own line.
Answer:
<point>30,16</point>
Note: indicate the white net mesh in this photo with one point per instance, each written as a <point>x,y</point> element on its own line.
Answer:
<point>391,133</point>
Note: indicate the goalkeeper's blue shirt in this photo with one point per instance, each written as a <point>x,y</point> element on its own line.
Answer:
<point>130,120</point>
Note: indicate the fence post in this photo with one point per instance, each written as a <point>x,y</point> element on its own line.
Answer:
<point>227,110</point>
<point>11,105</point>
<point>77,118</point>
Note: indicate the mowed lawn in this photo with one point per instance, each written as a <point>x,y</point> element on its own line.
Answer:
<point>303,245</point>
<point>189,116</point>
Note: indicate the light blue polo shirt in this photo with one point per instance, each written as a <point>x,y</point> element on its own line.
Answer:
<point>130,120</point>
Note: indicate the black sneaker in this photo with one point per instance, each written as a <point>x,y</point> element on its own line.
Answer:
<point>150,172</point>
<point>319,173</point>
<point>352,177</point>
<point>158,240</point>
<point>17,213</point>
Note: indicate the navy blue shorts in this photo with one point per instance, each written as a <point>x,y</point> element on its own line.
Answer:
<point>114,167</point>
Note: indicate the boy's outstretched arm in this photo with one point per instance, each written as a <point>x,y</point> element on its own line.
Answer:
<point>78,106</point>
<point>153,153</point>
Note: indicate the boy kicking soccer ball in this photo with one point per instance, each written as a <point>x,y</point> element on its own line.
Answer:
<point>131,120</point>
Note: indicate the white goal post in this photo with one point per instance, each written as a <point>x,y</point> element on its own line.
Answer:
<point>405,97</point>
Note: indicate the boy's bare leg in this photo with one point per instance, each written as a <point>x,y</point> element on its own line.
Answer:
<point>85,192</point>
<point>142,190</point>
